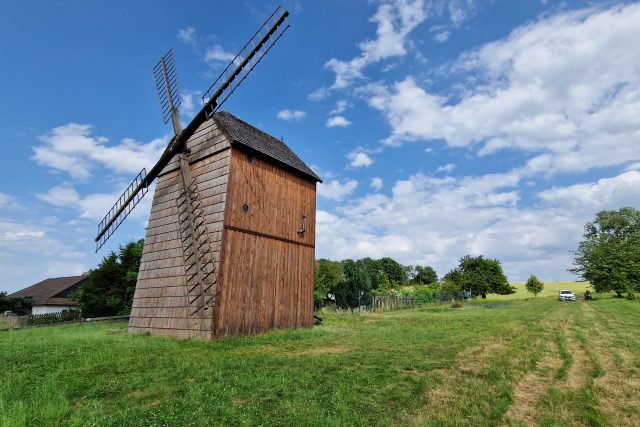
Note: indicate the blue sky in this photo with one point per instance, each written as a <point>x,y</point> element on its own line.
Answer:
<point>440,128</point>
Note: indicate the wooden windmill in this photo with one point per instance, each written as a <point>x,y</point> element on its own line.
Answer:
<point>230,243</point>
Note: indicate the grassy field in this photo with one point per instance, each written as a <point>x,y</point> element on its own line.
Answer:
<point>502,363</point>
<point>550,290</point>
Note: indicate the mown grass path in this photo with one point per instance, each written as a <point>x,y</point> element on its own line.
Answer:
<point>536,362</point>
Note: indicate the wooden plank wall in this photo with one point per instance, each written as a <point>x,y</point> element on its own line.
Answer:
<point>160,303</point>
<point>267,267</point>
<point>277,199</point>
<point>266,284</point>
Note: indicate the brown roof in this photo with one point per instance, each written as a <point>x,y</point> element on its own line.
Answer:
<point>253,138</point>
<point>52,291</point>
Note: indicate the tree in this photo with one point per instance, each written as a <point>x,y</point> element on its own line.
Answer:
<point>395,272</point>
<point>609,254</point>
<point>110,287</point>
<point>534,285</point>
<point>450,288</point>
<point>354,289</point>
<point>481,276</point>
<point>425,275</point>
<point>327,275</point>
<point>17,305</point>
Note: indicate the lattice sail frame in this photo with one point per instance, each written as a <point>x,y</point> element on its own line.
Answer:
<point>121,209</point>
<point>168,98</point>
<point>247,59</point>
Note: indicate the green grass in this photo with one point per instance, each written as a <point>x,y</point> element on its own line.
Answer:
<point>550,290</point>
<point>428,366</point>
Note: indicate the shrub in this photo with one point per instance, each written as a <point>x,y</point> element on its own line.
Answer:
<point>534,285</point>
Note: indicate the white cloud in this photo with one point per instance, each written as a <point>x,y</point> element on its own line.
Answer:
<point>376,183</point>
<point>187,35</point>
<point>73,149</point>
<point>73,255</point>
<point>448,168</point>
<point>395,20</point>
<point>216,54</point>
<point>359,159</point>
<point>19,236</point>
<point>337,121</point>
<point>291,116</point>
<point>341,106</point>
<point>12,236</point>
<point>61,196</point>
<point>436,221</point>
<point>335,190</point>
<point>318,94</point>
<point>188,106</point>
<point>441,36</point>
<point>565,88</point>
<point>93,206</point>
<point>459,11</point>
<point>4,199</point>
<point>592,197</point>
<point>62,269</point>
<point>633,166</point>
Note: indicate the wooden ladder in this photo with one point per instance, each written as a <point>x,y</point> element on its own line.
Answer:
<point>201,279</point>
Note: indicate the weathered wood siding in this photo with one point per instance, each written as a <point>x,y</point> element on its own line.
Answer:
<point>160,303</point>
<point>267,266</point>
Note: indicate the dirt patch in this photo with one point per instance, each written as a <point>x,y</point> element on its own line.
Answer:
<point>532,387</point>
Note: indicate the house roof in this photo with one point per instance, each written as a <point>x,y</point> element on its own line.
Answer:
<point>52,291</point>
<point>244,134</point>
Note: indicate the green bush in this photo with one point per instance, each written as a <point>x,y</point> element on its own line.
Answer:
<point>534,285</point>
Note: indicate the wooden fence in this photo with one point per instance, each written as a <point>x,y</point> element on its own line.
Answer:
<point>11,321</point>
<point>391,303</point>
<point>49,318</point>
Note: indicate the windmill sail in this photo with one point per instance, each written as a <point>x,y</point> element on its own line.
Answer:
<point>121,209</point>
<point>246,59</point>
<point>165,77</point>
<point>226,83</point>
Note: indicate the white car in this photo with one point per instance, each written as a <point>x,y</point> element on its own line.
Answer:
<point>566,295</point>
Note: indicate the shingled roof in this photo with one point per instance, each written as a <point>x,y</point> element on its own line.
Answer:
<point>52,291</point>
<point>244,134</point>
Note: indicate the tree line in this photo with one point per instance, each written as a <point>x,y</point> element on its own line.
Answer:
<point>352,283</point>
<point>608,257</point>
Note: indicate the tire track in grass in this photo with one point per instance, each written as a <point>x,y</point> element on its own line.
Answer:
<point>618,386</point>
<point>545,376</point>
<point>572,400</point>
<point>444,398</point>
<point>547,392</point>
<point>580,368</point>
<point>533,386</point>
<point>477,389</point>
